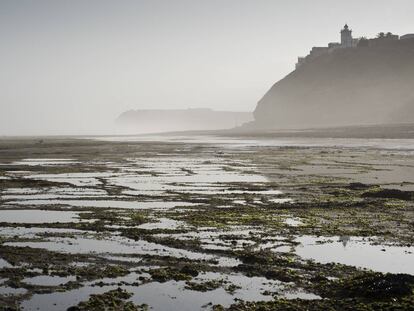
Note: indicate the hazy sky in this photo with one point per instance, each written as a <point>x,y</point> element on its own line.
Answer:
<point>69,67</point>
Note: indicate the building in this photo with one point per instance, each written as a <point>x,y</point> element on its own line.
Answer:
<point>301,61</point>
<point>346,37</point>
<point>408,36</point>
<point>355,42</point>
<point>333,45</point>
<point>318,51</point>
<point>346,42</point>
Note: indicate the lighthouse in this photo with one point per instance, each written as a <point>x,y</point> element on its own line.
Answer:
<point>346,37</point>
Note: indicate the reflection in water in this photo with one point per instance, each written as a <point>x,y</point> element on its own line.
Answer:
<point>344,239</point>
<point>47,280</point>
<point>400,144</point>
<point>162,187</point>
<point>37,216</point>
<point>358,252</point>
<point>162,296</point>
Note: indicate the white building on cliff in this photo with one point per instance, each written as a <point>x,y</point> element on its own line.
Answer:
<point>346,37</point>
<point>346,42</point>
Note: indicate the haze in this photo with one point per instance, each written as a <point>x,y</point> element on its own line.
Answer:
<point>71,67</point>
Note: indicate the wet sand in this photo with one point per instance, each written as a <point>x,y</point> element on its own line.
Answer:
<point>205,223</point>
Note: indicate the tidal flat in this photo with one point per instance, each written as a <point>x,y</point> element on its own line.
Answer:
<point>206,223</point>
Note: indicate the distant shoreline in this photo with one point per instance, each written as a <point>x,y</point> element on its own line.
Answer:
<point>384,131</point>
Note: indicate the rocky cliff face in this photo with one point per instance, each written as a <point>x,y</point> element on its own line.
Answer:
<point>364,85</point>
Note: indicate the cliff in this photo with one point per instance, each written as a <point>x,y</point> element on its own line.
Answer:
<point>155,121</point>
<point>363,85</point>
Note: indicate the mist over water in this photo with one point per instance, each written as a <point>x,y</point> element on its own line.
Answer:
<point>74,67</point>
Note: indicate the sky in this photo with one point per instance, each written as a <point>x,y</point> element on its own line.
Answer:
<point>72,66</point>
